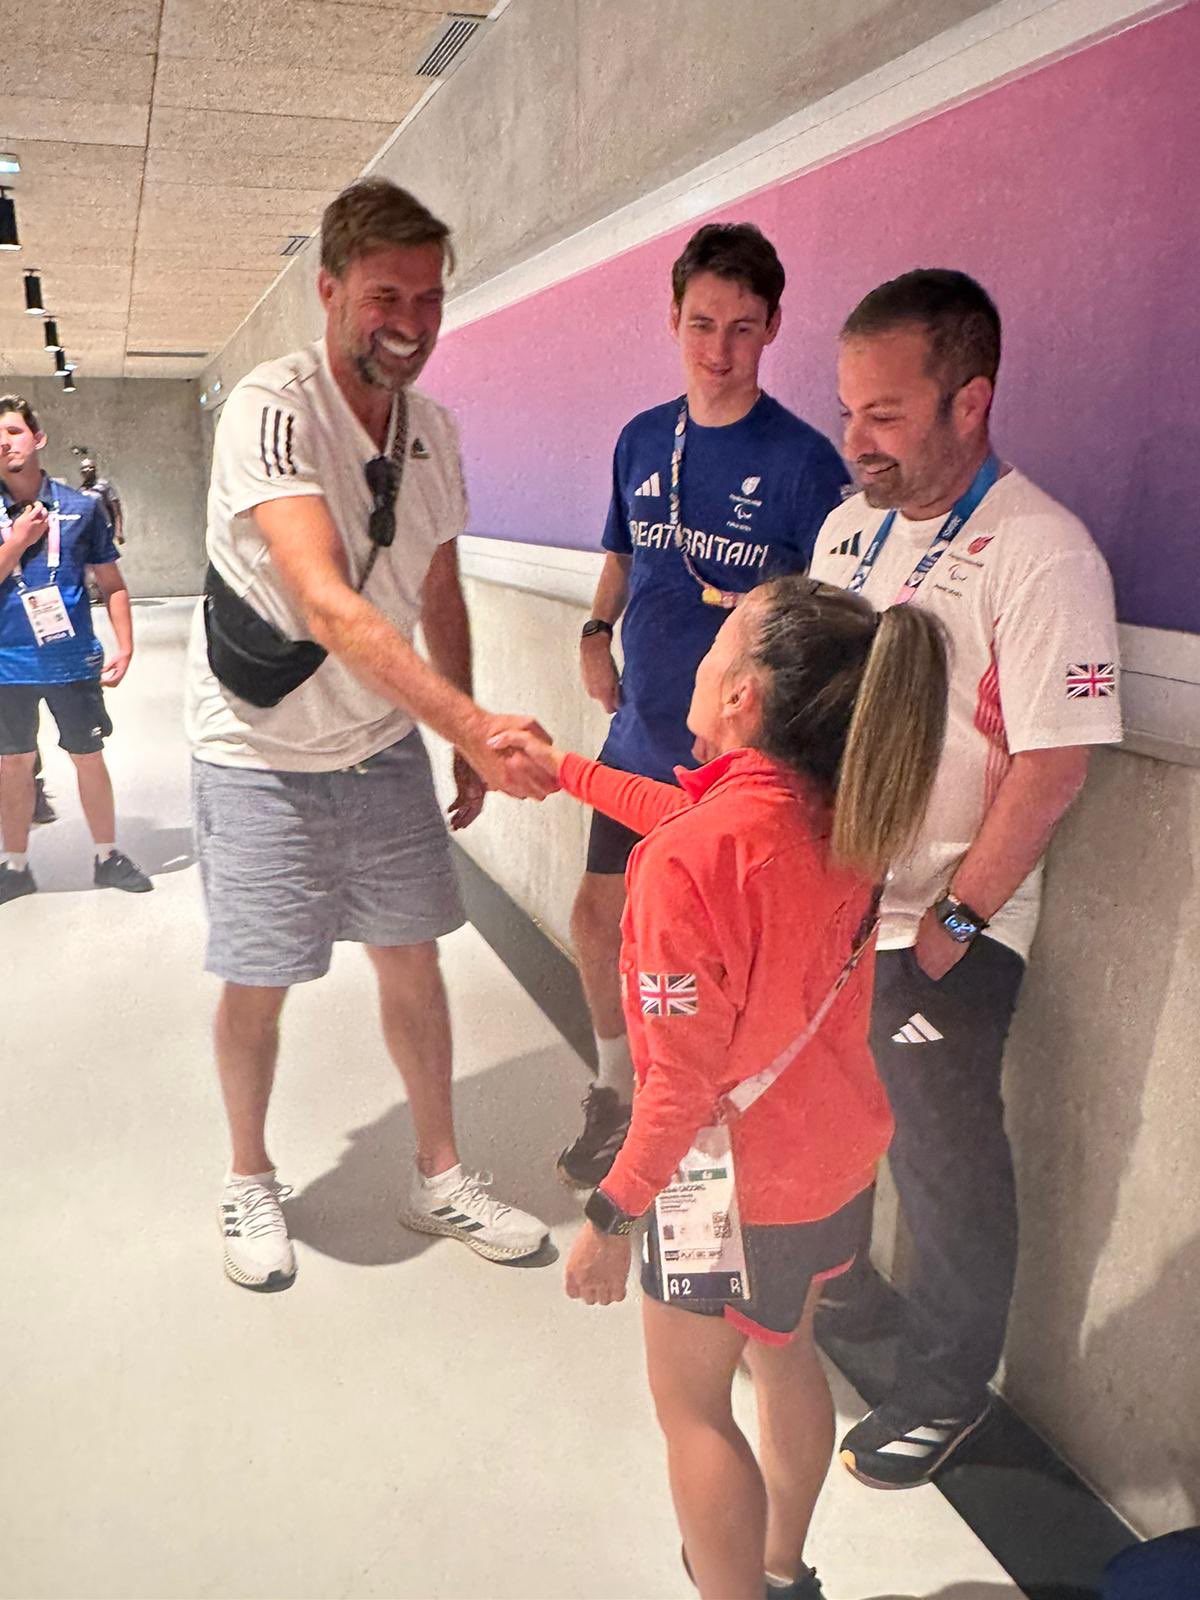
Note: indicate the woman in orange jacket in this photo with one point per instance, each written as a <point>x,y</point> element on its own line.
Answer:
<point>819,722</point>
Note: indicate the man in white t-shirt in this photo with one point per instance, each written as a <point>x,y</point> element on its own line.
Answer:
<point>335,504</point>
<point>1027,601</point>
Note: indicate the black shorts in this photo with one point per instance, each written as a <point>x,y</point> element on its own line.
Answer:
<point>77,708</point>
<point>610,844</point>
<point>783,1261</point>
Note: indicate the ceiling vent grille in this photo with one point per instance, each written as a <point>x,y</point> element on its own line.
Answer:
<point>173,355</point>
<point>449,45</point>
<point>294,243</point>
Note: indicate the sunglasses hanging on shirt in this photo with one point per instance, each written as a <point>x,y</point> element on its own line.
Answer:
<point>383,474</point>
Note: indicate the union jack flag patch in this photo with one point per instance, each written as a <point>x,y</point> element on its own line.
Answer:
<point>1091,680</point>
<point>668,994</point>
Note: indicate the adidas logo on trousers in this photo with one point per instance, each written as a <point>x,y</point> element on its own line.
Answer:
<point>917,1030</point>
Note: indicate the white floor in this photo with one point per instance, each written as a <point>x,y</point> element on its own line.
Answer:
<point>406,1420</point>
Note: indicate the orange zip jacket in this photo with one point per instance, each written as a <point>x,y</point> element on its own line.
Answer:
<point>734,930</point>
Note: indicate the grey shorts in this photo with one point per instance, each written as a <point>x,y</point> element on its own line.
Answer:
<point>292,861</point>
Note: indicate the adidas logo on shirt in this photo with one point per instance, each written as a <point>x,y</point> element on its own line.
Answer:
<point>848,547</point>
<point>651,486</point>
<point>917,1030</point>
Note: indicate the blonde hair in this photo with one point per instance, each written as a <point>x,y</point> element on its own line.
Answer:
<point>856,701</point>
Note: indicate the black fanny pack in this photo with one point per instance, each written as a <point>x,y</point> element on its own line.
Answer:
<point>248,655</point>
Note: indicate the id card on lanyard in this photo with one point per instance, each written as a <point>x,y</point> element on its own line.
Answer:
<point>45,608</point>
<point>960,513</point>
<point>699,1232</point>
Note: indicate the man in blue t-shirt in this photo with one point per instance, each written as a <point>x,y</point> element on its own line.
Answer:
<point>50,537</point>
<point>713,493</point>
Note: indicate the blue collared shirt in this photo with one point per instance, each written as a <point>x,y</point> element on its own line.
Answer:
<point>87,541</point>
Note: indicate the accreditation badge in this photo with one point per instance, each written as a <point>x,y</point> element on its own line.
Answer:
<point>700,1246</point>
<point>47,613</point>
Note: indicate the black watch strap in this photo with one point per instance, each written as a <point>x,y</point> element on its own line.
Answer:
<point>596,625</point>
<point>606,1216</point>
<point>959,920</point>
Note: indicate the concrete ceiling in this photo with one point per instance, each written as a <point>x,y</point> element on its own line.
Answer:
<point>169,147</point>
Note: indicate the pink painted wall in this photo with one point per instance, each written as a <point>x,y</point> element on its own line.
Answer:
<point>1073,194</point>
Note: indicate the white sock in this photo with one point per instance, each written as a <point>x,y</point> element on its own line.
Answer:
<point>18,860</point>
<point>615,1066</point>
<point>443,1180</point>
<point>103,851</point>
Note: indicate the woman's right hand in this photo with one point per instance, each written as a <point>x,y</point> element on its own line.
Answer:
<point>548,758</point>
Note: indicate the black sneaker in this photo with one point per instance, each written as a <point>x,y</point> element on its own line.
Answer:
<point>116,871</point>
<point>43,811</point>
<point>893,1449</point>
<point>14,884</point>
<point>605,1123</point>
<point>806,1587</point>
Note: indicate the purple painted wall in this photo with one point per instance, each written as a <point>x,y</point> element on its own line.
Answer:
<point>1073,194</point>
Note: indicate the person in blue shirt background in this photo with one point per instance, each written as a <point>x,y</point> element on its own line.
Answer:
<point>713,492</point>
<point>50,537</point>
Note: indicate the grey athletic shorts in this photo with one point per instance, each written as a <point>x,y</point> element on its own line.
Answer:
<point>292,861</point>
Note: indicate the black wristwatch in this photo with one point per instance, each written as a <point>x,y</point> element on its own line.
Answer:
<point>596,625</point>
<point>606,1217</point>
<point>959,921</point>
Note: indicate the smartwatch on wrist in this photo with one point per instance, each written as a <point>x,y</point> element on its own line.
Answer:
<point>596,625</point>
<point>958,919</point>
<point>606,1217</point>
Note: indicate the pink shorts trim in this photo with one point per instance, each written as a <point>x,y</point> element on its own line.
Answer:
<point>834,1272</point>
<point>755,1330</point>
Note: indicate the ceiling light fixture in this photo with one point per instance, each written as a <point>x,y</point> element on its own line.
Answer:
<point>9,162</point>
<point>52,339</point>
<point>34,304</point>
<point>68,383</point>
<point>9,238</point>
<point>60,360</point>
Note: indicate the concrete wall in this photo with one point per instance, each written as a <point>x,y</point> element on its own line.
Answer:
<point>145,433</point>
<point>569,108</point>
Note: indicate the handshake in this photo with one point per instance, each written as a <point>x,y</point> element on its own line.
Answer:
<point>513,755</point>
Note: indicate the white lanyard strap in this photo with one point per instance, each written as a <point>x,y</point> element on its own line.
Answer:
<point>743,1095</point>
<point>53,542</point>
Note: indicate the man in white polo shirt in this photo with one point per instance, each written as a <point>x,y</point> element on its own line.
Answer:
<point>335,504</point>
<point>1026,598</point>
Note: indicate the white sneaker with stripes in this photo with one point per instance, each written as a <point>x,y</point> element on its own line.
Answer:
<point>457,1204</point>
<point>258,1252</point>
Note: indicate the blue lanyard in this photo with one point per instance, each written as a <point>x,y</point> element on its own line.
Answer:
<point>960,513</point>
<point>709,593</point>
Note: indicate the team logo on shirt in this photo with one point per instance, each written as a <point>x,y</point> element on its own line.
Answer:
<point>652,487</point>
<point>750,484</point>
<point>668,994</point>
<point>420,450</point>
<point>977,546</point>
<point>1091,680</point>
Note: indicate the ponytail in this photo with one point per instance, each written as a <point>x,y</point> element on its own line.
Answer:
<point>893,744</point>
